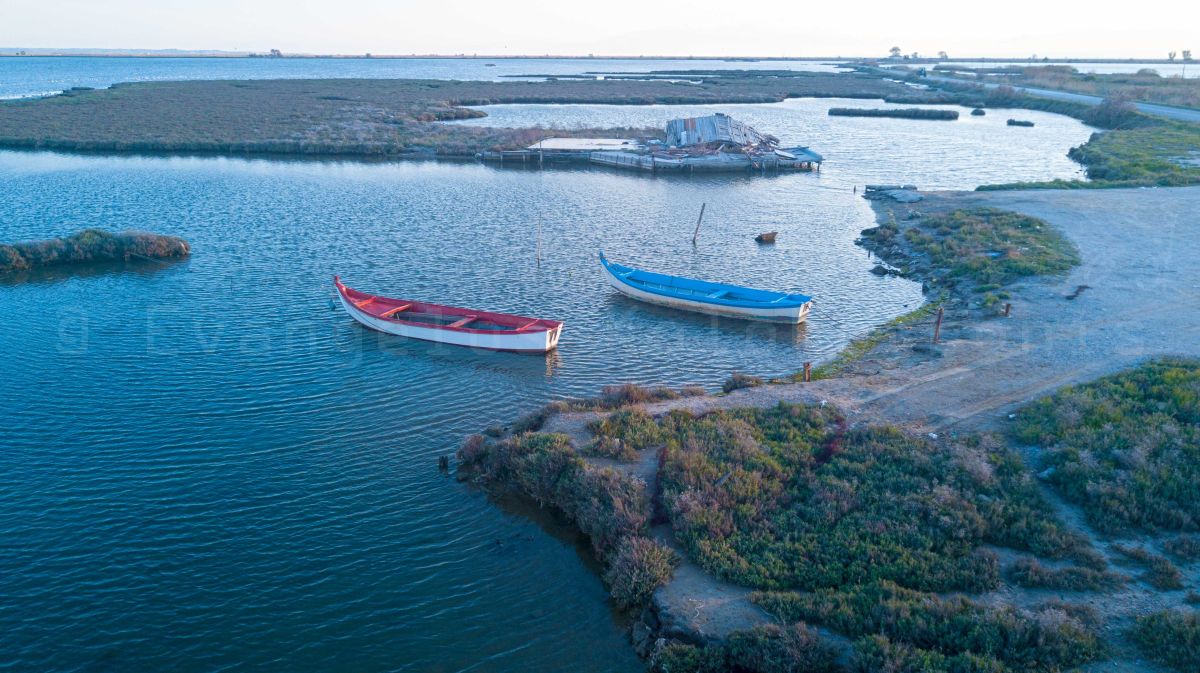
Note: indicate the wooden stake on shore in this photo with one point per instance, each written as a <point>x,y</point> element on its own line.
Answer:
<point>937,328</point>
<point>807,372</point>
<point>1007,309</point>
<point>698,221</point>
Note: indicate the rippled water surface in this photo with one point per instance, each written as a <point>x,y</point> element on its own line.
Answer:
<point>207,467</point>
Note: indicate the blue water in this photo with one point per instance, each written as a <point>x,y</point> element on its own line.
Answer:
<point>206,466</point>
<point>39,76</point>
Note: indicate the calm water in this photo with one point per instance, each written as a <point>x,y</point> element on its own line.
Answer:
<point>960,154</point>
<point>39,76</point>
<point>206,467</point>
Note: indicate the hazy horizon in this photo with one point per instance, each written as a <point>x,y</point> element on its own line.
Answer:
<point>701,28</point>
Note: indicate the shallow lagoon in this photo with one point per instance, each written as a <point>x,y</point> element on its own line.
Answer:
<point>207,466</point>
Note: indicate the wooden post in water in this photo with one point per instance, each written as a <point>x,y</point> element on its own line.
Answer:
<point>807,372</point>
<point>698,221</point>
<point>937,328</point>
<point>1007,309</point>
<point>539,241</point>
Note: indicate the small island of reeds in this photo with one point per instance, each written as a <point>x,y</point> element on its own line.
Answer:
<point>90,245</point>
<point>901,113</point>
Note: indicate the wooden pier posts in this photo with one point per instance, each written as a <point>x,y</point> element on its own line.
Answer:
<point>937,327</point>
<point>807,372</point>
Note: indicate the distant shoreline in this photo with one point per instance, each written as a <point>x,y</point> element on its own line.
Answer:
<point>9,53</point>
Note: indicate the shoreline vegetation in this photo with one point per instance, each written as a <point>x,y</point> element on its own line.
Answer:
<point>371,118</point>
<point>873,548</point>
<point>90,246</point>
<point>1145,85</point>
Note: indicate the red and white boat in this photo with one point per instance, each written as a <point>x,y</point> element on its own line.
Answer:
<point>450,325</point>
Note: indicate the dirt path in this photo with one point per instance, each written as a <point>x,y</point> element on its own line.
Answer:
<point>1142,299</point>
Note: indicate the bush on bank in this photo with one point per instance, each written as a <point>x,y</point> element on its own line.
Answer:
<point>90,245</point>
<point>612,509</point>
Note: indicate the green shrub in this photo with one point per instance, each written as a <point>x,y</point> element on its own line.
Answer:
<point>1048,638</point>
<point>623,433</point>
<point>1126,448</point>
<point>788,498</point>
<point>610,508</point>
<point>1186,548</point>
<point>738,380</point>
<point>763,649</point>
<point>991,247</point>
<point>1170,637</point>
<point>640,566</point>
<point>614,397</point>
<point>1160,572</point>
<point>90,245</point>
<point>1029,572</point>
<point>873,654</point>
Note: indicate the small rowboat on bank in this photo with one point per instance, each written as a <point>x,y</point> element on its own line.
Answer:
<point>450,325</point>
<point>689,294</point>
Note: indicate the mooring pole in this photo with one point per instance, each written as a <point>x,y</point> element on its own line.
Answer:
<point>807,372</point>
<point>698,221</point>
<point>1007,309</point>
<point>937,328</point>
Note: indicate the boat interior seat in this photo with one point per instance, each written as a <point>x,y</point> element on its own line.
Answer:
<point>718,294</point>
<point>465,321</point>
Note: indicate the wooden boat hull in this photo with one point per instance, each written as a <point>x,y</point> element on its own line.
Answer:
<point>790,314</point>
<point>510,333</point>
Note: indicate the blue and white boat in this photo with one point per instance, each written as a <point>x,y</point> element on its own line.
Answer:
<point>701,296</point>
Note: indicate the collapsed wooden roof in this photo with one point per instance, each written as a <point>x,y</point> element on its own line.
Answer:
<point>716,128</point>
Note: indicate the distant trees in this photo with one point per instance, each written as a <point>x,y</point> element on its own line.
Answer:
<point>942,55</point>
<point>1187,54</point>
<point>1170,56</point>
<point>895,51</point>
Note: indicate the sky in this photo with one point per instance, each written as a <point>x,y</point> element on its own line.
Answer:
<point>1001,28</point>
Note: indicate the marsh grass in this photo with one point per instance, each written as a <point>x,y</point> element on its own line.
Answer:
<point>788,497</point>
<point>1126,448</point>
<point>90,245</point>
<point>988,246</point>
<point>1170,637</point>
<point>1030,573</point>
<point>1160,572</point>
<point>356,117</point>
<point>903,630</point>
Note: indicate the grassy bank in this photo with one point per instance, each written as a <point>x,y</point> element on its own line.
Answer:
<point>859,530</point>
<point>90,245</point>
<point>971,253</point>
<point>1145,85</point>
<point>362,117</point>
<point>1157,154</point>
<point>789,498</point>
<point>902,630</point>
<point>1125,448</point>
<point>612,509</point>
